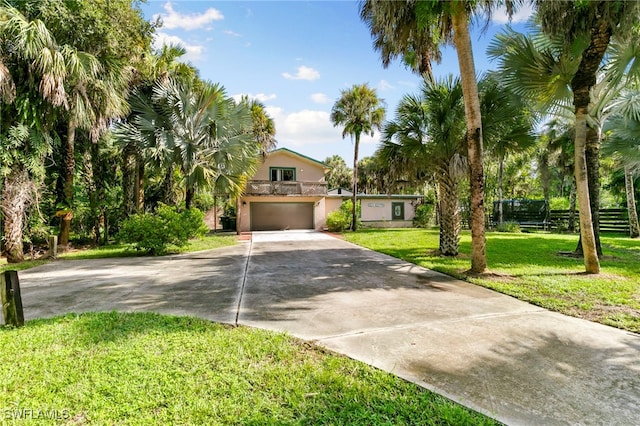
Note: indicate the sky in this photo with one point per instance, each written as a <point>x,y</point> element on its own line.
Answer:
<point>296,57</point>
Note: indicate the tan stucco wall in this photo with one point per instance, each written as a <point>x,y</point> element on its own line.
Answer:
<point>306,170</point>
<point>244,210</point>
<point>383,209</point>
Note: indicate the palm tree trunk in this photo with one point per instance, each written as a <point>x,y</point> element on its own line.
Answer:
<point>68,170</point>
<point>450,216</point>
<point>634,228</point>
<point>139,184</point>
<point>572,206</point>
<point>188,199</point>
<point>581,84</point>
<point>592,155</point>
<point>16,197</point>
<point>354,222</point>
<point>500,177</point>
<point>128,180</point>
<point>591,262</point>
<point>462,41</point>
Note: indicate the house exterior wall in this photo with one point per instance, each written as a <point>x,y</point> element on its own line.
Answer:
<point>306,170</point>
<point>379,209</point>
<point>244,209</point>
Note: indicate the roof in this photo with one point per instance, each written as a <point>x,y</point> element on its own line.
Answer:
<point>378,196</point>
<point>291,152</point>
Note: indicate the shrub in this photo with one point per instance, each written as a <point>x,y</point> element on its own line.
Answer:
<point>154,232</point>
<point>423,216</point>
<point>340,220</point>
<point>508,227</point>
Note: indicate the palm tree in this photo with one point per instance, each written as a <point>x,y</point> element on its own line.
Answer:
<point>412,27</point>
<point>623,142</point>
<point>264,128</point>
<point>202,131</point>
<point>32,75</point>
<point>359,110</point>
<point>339,174</point>
<point>595,22</point>
<point>428,133</point>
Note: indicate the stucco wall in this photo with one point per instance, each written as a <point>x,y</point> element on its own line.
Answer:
<point>306,170</point>
<point>244,209</point>
<point>379,209</point>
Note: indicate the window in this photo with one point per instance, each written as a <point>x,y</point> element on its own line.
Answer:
<point>282,173</point>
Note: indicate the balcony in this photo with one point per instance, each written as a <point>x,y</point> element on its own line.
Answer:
<point>266,187</point>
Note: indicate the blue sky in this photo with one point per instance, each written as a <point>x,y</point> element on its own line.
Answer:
<point>296,57</point>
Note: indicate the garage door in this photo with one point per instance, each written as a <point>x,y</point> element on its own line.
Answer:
<point>279,216</point>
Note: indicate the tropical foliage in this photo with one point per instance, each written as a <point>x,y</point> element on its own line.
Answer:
<point>358,110</point>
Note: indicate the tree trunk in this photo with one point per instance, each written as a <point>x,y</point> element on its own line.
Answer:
<point>545,181</point>
<point>68,170</point>
<point>139,184</point>
<point>354,219</point>
<point>581,84</point>
<point>634,228</point>
<point>462,41</point>
<point>188,199</point>
<point>500,176</point>
<point>592,154</point>
<point>450,218</point>
<point>572,206</point>
<point>129,178</point>
<point>16,197</point>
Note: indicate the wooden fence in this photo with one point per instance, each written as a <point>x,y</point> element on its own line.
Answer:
<point>611,220</point>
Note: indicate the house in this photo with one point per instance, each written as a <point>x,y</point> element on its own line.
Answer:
<point>379,210</point>
<point>289,191</point>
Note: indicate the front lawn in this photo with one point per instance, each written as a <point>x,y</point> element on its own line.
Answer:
<point>144,368</point>
<point>531,268</point>
<point>207,242</point>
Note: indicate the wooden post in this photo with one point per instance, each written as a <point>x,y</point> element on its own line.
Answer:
<point>53,246</point>
<point>11,299</point>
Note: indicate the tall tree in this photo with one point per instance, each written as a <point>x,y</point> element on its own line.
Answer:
<point>201,130</point>
<point>623,142</point>
<point>360,111</point>
<point>595,22</point>
<point>407,27</point>
<point>33,69</point>
<point>428,132</point>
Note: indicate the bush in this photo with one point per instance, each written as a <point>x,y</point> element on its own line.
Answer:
<point>340,220</point>
<point>423,216</point>
<point>154,232</point>
<point>508,227</point>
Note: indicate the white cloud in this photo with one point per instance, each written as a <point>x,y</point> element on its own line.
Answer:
<point>319,98</point>
<point>232,33</point>
<point>523,13</point>
<point>262,97</point>
<point>194,51</point>
<point>309,127</point>
<point>304,73</point>
<point>384,85</point>
<point>172,19</point>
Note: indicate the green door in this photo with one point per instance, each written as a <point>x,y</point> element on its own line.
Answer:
<point>397,211</point>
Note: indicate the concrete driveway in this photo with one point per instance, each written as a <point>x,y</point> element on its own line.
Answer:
<point>511,360</point>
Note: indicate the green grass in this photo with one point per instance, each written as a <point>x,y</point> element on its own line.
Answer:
<point>529,267</point>
<point>207,242</point>
<point>117,368</point>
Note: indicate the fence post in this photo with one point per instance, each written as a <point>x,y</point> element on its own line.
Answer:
<point>11,299</point>
<point>53,246</point>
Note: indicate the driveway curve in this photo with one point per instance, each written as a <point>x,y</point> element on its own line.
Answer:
<point>511,360</point>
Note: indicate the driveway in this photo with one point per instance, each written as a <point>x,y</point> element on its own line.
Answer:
<point>511,360</point>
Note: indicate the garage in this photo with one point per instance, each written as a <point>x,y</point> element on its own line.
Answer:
<point>280,216</point>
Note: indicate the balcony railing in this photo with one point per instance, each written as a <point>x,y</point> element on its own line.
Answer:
<point>266,187</point>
